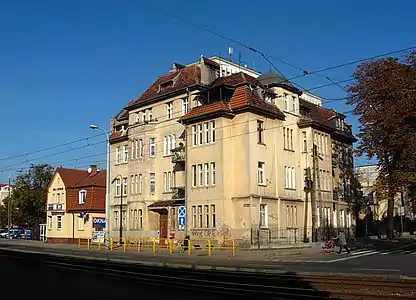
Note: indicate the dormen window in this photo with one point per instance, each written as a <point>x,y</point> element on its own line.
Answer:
<point>82,196</point>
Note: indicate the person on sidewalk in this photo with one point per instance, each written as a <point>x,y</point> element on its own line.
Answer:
<point>342,241</point>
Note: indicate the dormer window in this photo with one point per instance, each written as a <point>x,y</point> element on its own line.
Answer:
<point>165,85</point>
<point>82,196</point>
<point>340,124</point>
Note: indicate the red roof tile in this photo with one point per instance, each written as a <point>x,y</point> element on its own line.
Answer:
<point>319,114</point>
<point>236,79</point>
<point>71,177</point>
<point>211,108</point>
<point>94,179</point>
<point>211,62</point>
<point>183,78</point>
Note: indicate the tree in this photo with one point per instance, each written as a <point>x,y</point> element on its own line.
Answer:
<point>383,96</point>
<point>29,196</point>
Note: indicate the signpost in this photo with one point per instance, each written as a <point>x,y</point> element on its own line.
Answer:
<point>182,217</point>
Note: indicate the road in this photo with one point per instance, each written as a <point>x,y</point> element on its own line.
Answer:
<point>392,262</point>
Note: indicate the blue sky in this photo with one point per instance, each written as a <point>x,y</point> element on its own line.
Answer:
<point>65,64</point>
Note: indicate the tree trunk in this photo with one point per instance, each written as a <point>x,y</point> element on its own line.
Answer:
<point>390,221</point>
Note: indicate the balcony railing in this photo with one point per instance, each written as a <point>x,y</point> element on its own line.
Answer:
<point>178,154</point>
<point>179,193</point>
<point>55,206</point>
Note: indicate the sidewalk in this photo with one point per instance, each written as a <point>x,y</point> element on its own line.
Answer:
<point>162,252</point>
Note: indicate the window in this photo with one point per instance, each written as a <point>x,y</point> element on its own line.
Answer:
<point>124,216</point>
<point>169,143</point>
<point>206,215</point>
<point>165,181</point>
<point>118,187</point>
<point>263,216</point>
<point>136,153</point>
<point>152,147</point>
<point>133,152</point>
<point>260,173</point>
<point>207,133</point>
<point>126,153</point>
<point>342,218</point>
<point>125,186</point>
<point>132,183</point>
<point>194,136</point>
<point>143,113</point>
<point>304,142</point>
<point>82,196</point>
<point>140,220</point>
<point>213,216</point>
<point>285,102</point>
<point>165,145</point>
<point>50,222</point>
<point>193,216</point>
<point>59,222</point>
<point>199,216</point>
<point>206,172</point>
<point>140,148</point>
<point>213,180</point>
<point>118,155</point>
<point>169,110</point>
<point>200,176</point>
<point>291,139</point>
<point>284,138</point>
<point>193,175</point>
<point>200,135</point>
<point>80,224</point>
<point>116,219</point>
<point>185,106</point>
<point>294,104</point>
<point>173,218</point>
<point>152,183</point>
<point>133,218</point>
<point>260,130</point>
<point>291,216</point>
<point>136,184</point>
<point>169,181</point>
<point>212,127</point>
<point>172,142</point>
<point>140,183</point>
<point>149,114</point>
<point>58,198</point>
<point>290,178</point>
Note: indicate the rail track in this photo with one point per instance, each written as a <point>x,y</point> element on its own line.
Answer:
<point>236,284</point>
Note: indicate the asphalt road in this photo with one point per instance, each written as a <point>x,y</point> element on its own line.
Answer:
<point>37,276</point>
<point>399,262</point>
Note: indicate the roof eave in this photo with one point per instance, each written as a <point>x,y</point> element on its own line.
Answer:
<point>213,115</point>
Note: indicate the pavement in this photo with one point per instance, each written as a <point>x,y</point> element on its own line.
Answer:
<point>386,259</point>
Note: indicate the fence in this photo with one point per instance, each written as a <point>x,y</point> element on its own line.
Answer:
<point>278,236</point>
<point>162,245</point>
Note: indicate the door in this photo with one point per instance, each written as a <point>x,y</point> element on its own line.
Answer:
<point>163,219</point>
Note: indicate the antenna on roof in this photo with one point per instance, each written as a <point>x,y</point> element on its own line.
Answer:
<point>239,59</point>
<point>230,52</point>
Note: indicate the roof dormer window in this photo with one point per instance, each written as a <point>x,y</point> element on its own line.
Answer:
<point>165,85</point>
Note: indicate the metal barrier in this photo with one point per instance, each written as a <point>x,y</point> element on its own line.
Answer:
<point>158,245</point>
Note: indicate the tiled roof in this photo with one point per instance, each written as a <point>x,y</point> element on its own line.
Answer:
<point>97,179</point>
<point>166,203</point>
<point>122,115</point>
<point>211,108</point>
<point>71,177</point>
<point>183,78</point>
<point>211,62</point>
<point>236,79</point>
<point>320,114</point>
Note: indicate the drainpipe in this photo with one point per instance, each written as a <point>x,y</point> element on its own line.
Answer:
<point>73,228</point>
<point>186,167</point>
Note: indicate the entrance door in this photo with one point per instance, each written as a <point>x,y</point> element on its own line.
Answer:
<point>163,217</point>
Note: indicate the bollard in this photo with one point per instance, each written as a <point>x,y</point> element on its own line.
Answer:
<point>209,247</point>
<point>124,244</point>
<point>99,245</point>
<point>79,242</point>
<point>189,247</point>
<point>170,246</point>
<point>138,245</point>
<point>233,245</point>
<point>154,246</point>
<point>88,243</point>
<point>111,244</point>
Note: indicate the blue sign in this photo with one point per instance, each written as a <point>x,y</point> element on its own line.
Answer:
<point>182,211</point>
<point>181,221</point>
<point>98,222</point>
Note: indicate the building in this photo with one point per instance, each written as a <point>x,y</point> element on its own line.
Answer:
<point>4,191</point>
<point>230,147</point>
<point>75,204</point>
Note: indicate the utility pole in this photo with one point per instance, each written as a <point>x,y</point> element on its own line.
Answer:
<point>316,190</point>
<point>307,188</point>
<point>9,211</point>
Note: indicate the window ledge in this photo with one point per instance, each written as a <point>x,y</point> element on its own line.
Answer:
<point>290,189</point>
<point>261,144</point>
<point>289,150</point>
<point>262,184</point>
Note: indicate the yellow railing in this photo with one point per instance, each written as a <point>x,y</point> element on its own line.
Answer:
<point>159,245</point>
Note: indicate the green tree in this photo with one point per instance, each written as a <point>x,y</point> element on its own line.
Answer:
<point>384,98</point>
<point>29,196</point>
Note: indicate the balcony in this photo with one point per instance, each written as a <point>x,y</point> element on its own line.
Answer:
<point>179,193</point>
<point>56,207</point>
<point>178,154</point>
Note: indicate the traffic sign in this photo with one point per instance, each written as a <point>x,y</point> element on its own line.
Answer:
<point>182,211</point>
<point>181,221</point>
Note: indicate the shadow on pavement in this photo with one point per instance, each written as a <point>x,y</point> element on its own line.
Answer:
<point>36,276</point>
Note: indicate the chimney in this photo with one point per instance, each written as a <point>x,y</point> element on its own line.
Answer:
<point>92,169</point>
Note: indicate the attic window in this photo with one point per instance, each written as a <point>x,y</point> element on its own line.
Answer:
<point>164,85</point>
<point>82,196</point>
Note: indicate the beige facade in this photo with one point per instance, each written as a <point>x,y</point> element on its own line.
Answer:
<point>242,167</point>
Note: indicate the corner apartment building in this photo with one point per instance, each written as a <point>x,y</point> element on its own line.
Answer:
<point>4,191</point>
<point>76,199</point>
<point>231,146</point>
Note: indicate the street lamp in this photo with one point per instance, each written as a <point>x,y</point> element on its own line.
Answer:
<point>107,186</point>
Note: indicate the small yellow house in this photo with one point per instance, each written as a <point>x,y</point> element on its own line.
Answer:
<point>75,204</point>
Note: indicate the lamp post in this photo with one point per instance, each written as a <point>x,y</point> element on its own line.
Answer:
<point>107,186</point>
<point>9,211</point>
